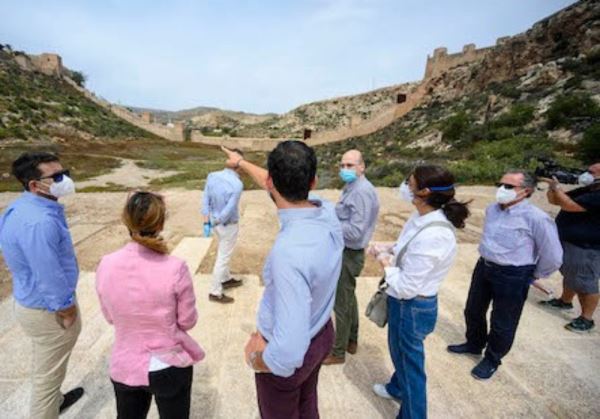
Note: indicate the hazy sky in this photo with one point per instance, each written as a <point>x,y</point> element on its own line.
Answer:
<point>255,56</point>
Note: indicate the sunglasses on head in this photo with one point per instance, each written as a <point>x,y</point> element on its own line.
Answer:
<point>58,176</point>
<point>506,185</point>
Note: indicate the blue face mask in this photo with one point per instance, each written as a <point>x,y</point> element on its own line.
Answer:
<point>348,175</point>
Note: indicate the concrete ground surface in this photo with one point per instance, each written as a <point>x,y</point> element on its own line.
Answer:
<point>550,372</point>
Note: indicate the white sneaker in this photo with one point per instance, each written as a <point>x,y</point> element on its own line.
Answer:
<point>380,390</point>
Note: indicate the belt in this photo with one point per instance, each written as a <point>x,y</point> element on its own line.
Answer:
<point>418,297</point>
<point>424,297</point>
<point>226,224</point>
<point>494,264</point>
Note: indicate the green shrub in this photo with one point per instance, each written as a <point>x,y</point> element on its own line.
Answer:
<point>455,127</point>
<point>520,114</point>
<point>589,147</point>
<point>506,89</point>
<point>487,161</point>
<point>566,108</point>
<point>79,78</point>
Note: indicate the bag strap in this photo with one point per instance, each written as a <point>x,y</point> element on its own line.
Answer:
<point>426,226</point>
<point>382,284</point>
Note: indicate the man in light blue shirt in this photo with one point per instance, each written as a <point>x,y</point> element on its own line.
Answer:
<point>519,244</point>
<point>38,251</point>
<point>295,332</point>
<point>220,202</point>
<point>357,211</point>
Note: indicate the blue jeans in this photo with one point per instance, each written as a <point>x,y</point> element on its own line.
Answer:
<point>409,323</point>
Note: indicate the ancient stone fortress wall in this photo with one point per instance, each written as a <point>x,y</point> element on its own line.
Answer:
<point>441,61</point>
<point>49,64</point>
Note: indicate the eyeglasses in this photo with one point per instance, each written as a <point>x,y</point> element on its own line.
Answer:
<point>58,176</point>
<point>507,185</point>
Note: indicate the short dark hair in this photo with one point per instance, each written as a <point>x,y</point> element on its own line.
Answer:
<point>292,166</point>
<point>25,168</point>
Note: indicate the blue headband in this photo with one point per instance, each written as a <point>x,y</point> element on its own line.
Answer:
<point>440,188</point>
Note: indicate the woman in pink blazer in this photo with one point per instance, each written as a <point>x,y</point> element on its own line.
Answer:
<point>148,297</point>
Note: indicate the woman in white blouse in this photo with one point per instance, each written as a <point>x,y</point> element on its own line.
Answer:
<point>414,269</point>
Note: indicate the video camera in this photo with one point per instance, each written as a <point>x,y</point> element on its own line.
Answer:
<point>548,168</point>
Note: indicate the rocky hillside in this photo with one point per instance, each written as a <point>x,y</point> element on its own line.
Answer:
<point>536,94</point>
<point>326,114</point>
<point>317,116</point>
<point>37,103</point>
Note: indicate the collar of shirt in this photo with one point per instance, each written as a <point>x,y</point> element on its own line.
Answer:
<point>138,248</point>
<point>42,202</point>
<point>290,214</point>
<point>231,172</point>
<point>353,185</point>
<point>421,220</point>
<point>415,222</point>
<point>516,208</point>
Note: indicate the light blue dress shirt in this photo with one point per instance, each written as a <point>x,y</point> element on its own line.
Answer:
<point>300,277</point>
<point>221,196</point>
<point>357,211</point>
<point>37,247</point>
<point>521,235</point>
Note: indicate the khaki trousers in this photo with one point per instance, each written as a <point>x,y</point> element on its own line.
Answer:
<point>52,346</point>
<point>227,236</point>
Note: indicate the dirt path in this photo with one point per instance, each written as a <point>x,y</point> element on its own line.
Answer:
<point>128,174</point>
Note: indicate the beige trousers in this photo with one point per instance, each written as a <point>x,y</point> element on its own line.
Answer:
<point>227,236</point>
<point>52,346</point>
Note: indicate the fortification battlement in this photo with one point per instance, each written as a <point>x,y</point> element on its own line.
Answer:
<point>441,61</point>
<point>49,64</point>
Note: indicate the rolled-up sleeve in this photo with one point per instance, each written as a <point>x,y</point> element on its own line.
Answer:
<point>291,332</point>
<point>187,315</point>
<point>43,256</point>
<point>548,247</point>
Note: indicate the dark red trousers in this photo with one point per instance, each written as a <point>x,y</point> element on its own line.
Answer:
<point>295,397</point>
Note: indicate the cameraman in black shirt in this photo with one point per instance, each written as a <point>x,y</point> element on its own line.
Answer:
<point>578,225</point>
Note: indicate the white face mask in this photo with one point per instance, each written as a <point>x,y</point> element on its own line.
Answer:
<point>405,193</point>
<point>505,196</point>
<point>63,188</point>
<point>586,179</point>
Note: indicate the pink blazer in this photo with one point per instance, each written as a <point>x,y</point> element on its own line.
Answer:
<point>149,298</point>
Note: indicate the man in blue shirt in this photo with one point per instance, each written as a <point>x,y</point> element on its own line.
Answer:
<point>295,332</point>
<point>519,244</point>
<point>357,211</point>
<point>220,202</point>
<point>39,253</point>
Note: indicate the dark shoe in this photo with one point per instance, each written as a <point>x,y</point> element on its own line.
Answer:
<point>484,370</point>
<point>352,347</point>
<point>232,283</point>
<point>223,299</point>
<point>556,303</point>
<point>463,348</point>
<point>70,398</point>
<point>332,360</point>
<point>580,325</point>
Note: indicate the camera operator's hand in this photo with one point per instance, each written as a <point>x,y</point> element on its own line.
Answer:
<point>552,183</point>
